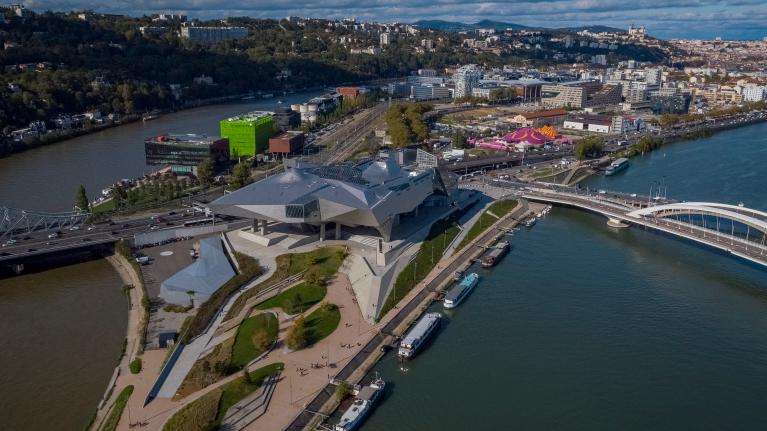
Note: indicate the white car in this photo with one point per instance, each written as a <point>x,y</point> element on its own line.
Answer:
<point>9,242</point>
<point>601,192</point>
<point>53,235</point>
<point>74,228</point>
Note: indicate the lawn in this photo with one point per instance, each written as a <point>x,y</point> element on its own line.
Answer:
<point>245,348</point>
<point>327,259</point>
<point>206,412</point>
<point>110,424</point>
<point>440,236</point>
<point>499,208</point>
<point>321,323</point>
<point>297,299</point>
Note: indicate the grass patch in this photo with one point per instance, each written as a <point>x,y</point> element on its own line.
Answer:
<point>207,412</point>
<point>110,424</point>
<point>545,172</point>
<point>175,308</point>
<point>249,269</point>
<point>135,366</point>
<point>106,206</point>
<point>253,338</point>
<point>208,369</point>
<point>321,323</point>
<point>297,299</point>
<point>327,260</point>
<point>499,208</point>
<point>440,236</point>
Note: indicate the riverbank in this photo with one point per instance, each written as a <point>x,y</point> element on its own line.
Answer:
<point>134,339</point>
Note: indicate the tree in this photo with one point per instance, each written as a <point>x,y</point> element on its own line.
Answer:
<point>313,276</point>
<point>342,391</point>
<point>588,146</point>
<point>81,199</point>
<point>459,140</point>
<point>205,172</point>
<point>240,175</point>
<point>296,338</point>
<point>261,340</point>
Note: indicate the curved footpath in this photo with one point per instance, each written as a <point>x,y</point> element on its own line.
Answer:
<point>132,339</point>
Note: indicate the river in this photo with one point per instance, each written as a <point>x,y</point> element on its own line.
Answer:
<point>582,327</point>
<point>62,330</point>
<point>47,178</point>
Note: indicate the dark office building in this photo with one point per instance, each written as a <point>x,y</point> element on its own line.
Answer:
<point>286,119</point>
<point>184,152</point>
<point>671,104</point>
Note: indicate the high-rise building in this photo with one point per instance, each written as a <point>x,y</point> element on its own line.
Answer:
<point>385,39</point>
<point>248,133</point>
<point>466,78</point>
<point>754,93</point>
<point>653,76</point>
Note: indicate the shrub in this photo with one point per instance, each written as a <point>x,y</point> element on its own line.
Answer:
<point>135,366</point>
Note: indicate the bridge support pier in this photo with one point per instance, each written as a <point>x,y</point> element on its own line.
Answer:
<point>614,222</point>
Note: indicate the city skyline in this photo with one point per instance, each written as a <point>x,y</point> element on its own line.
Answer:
<point>695,19</point>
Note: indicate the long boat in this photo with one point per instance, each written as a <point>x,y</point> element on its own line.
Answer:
<point>460,291</point>
<point>361,407</point>
<point>419,335</point>
<point>495,255</point>
<point>617,166</point>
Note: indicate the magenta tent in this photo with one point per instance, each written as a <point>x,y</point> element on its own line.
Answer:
<point>529,135</point>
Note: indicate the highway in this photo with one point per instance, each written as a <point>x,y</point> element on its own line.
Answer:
<point>40,242</point>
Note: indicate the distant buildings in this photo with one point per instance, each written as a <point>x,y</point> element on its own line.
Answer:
<point>213,34</point>
<point>540,118</point>
<point>754,93</point>
<point>317,106</point>
<point>286,119</point>
<point>184,152</point>
<point>248,133</point>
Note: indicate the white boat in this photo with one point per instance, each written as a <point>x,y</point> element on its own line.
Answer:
<point>361,407</point>
<point>530,222</point>
<point>459,292</point>
<point>617,166</point>
<point>419,335</point>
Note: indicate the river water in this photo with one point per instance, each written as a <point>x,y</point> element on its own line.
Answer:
<point>61,333</point>
<point>62,330</point>
<point>582,327</point>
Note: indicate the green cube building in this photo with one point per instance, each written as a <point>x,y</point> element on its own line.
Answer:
<point>248,133</point>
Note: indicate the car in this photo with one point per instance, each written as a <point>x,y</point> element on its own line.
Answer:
<point>53,235</point>
<point>633,195</point>
<point>27,238</point>
<point>86,239</point>
<point>31,249</point>
<point>9,242</point>
<point>155,227</point>
<point>125,225</point>
<point>172,213</point>
<point>90,228</point>
<point>601,192</point>
<point>74,228</point>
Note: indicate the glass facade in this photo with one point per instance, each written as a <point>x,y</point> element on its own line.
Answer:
<point>185,151</point>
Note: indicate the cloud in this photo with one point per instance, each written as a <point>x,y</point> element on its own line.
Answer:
<point>666,18</point>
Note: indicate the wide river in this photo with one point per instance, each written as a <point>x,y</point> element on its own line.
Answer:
<point>583,327</point>
<point>61,331</point>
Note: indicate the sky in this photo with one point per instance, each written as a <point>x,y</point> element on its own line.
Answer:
<point>704,19</point>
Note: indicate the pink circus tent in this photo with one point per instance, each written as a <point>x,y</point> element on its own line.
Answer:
<point>527,134</point>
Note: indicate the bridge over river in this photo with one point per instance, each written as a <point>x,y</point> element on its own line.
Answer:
<point>734,229</point>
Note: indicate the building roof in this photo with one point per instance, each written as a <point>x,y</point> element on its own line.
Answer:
<point>203,277</point>
<point>527,134</point>
<point>603,120</point>
<point>250,116</point>
<point>188,139</point>
<point>544,114</point>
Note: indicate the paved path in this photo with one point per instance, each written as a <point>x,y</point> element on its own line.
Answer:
<point>250,408</point>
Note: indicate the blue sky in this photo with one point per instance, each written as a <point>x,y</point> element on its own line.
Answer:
<point>731,19</point>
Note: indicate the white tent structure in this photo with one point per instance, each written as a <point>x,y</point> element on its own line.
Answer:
<point>200,279</point>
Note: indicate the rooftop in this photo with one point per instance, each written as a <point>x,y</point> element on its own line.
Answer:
<point>250,116</point>
<point>185,139</point>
